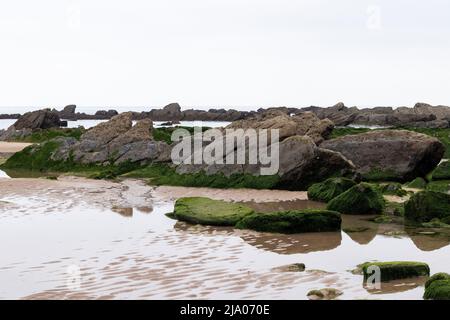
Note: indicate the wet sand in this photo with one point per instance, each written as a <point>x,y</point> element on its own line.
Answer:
<point>92,239</point>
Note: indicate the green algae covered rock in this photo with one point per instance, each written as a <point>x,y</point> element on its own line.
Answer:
<point>295,221</point>
<point>209,212</point>
<point>417,183</point>
<point>442,171</point>
<point>359,199</point>
<point>393,188</point>
<point>396,269</point>
<point>425,206</point>
<point>329,189</point>
<point>438,287</point>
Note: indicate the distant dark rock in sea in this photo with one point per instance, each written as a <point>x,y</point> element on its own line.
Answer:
<point>422,115</point>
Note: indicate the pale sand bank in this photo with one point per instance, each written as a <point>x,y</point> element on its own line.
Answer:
<point>12,147</point>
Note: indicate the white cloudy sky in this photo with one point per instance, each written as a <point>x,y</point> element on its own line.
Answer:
<point>224,52</point>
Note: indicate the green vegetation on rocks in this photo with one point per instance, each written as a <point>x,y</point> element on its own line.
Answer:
<point>396,269</point>
<point>295,221</point>
<point>439,186</point>
<point>417,183</point>
<point>207,211</point>
<point>329,189</point>
<point>360,199</point>
<point>162,174</point>
<point>427,205</point>
<point>393,188</point>
<point>438,287</point>
<point>40,136</point>
<point>442,172</point>
<point>37,158</point>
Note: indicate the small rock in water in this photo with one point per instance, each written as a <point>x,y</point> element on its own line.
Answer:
<point>295,267</point>
<point>324,294</point>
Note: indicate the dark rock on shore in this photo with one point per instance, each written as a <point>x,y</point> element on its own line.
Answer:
<point>10,116</point>
<point>41,119</point>
<point>32,121</point>
<point>389,154</point>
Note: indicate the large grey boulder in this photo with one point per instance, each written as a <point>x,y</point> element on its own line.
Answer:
<point>40,119</point>
<point>301,163</point>
<point>389,154</point>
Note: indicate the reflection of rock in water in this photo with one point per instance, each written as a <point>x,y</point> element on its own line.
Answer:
<point>285,205</point>
<point>358,228</point>
<point>275,242</point>
<point>293,243</point>
<point>146,209</point>
<point>202,229</point>
<point>395,286</point>
<point>429,242</point>
<point>125,212</point>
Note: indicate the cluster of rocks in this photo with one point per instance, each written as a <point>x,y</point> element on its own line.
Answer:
<point>422,115</point>
<point>306,154</point>
<point>114,142</point>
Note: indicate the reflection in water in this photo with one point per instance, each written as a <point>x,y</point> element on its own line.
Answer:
<point>396,286</point>
<point>274,242</point>
<point>358,228</point>
<point>136,255</point>
<point>293,243</point>
<point>126,212</point>
<point>436,239</point>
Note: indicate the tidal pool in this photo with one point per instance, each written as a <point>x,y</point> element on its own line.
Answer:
<point>77,238</point>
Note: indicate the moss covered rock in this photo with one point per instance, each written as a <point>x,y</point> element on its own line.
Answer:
<point>417,183</point>
<point>438,287</point>
<point>427,205</point>
<point>396,269</point>
<point>359,199</point>
<point>295,221</point>
<point>393,188</point>
<point>442,172</point>
<point>329,189</point>
<point>209,212</point>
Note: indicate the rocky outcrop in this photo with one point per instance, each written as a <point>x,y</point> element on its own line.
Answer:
<point>30,122</point>
<point>305,123</point>
<point>339,114</point>
<point>115,142</point>
<point>41,119</point>
<point>103,114</point>
<point>389,154</point>
<point>301,163</point>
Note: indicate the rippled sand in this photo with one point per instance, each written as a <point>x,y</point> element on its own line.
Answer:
<point>76,239</point>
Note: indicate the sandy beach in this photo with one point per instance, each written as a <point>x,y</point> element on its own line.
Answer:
<point>9,148</point>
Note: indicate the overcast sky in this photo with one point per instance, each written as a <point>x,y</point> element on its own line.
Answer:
<point>203,53</point>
